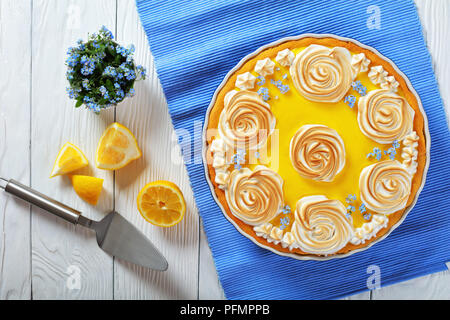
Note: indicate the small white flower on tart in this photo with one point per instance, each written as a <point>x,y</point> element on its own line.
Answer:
<point>321,226</point>
<point>322,74</point>
<point>390,84</point>
<point>360,63</point>
<point>385,186</point>
<point>265,67</point>
<point>255,197</point>
<point>285,57</point>
<point>377,74</point>
<point>245,81</point>
<point>384,116</point>
<point>317,152</point>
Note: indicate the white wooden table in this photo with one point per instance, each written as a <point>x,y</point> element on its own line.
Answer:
<point>39,254</point>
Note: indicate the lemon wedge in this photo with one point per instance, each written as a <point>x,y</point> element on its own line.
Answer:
<point>161,203</point>
<point>70,158</point>
<point>88,188</point>
<point>117,147</point>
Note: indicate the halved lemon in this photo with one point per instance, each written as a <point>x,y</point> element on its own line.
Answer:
<point>70,158</point>
<point>88,188</point>
<point>117,147</point>
<point>161,203</point>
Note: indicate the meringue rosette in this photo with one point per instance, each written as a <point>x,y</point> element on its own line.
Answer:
<point>322,74</point>
<point>320,225</point>
<point>384,116</point>
<point>246,120</point>
<point>385,186</point>
<point>317,152</point>
<point>255,197</point>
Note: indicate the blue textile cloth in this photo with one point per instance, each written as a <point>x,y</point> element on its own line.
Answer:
<point>195,44</point>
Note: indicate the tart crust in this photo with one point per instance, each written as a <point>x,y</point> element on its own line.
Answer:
<point>418,126</point>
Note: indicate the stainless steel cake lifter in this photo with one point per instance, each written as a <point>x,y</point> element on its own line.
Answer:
<point>114,233</point>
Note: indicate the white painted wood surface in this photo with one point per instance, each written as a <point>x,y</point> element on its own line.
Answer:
<point>38,252</point>
<point>435,18</point>
<point>147,116</point>
<point>15,53</point>
<point>56,244</point>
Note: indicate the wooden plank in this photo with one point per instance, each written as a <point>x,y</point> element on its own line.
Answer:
<point>434,17</point>
<point>359,296</point>
<point>15,59</point>
<point>209,287</point>
<point>146,115</point>
<point>66,261</point>
<point>432,287</point>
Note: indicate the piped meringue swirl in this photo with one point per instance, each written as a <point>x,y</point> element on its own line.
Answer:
<point>385,186</point>
<point>377,74</point>
<point>360,63</point>
<point>384,116</point>
<point>390,84</point>
<point>220,161</point>
<point>254,197</point>
<point>369,229</point>
<point>320,225</point>
<point>285,57</point>
<point>410,152</point>
<point>317,152</point>
<point>322,74</point>
<point>246,120</point>
<point>269,232</point>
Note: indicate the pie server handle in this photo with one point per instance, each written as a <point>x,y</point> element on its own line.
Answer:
<point>40,200</point>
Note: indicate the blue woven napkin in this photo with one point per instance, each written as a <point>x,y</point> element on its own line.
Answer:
<point>195,43</point>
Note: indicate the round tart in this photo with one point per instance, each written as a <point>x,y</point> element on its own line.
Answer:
<point>315,146</point>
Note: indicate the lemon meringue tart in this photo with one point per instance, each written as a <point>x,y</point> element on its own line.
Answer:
<point>315,147</point>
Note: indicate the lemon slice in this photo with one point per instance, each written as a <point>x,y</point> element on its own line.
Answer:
<point>117,147</point>
<point>161,203</point>
<point>88,188</point>
<point>70,158</point>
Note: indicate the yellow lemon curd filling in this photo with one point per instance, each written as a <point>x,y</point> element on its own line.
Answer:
<point>292,111</point>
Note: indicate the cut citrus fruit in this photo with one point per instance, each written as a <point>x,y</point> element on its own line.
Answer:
<point>70,158</point>
<point>88,188</point>
<point>117,147</point>
<point>161,203</point>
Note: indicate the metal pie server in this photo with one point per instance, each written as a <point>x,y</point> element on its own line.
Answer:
<point>115,234</point>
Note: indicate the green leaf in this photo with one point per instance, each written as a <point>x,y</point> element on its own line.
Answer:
<point>79,103</point>
<point>109,85</point>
